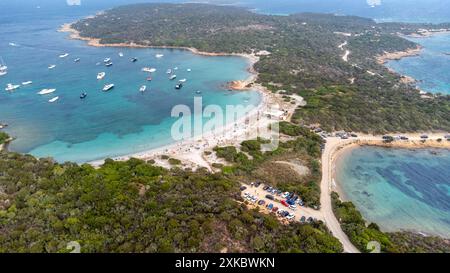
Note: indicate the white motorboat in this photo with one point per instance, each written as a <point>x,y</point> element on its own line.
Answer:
<point>120,54</point>
<point>3,72</point>
<point>101,75</point>
<point>53,99</point>
<point>188,70</point>
<point>143,88</point>
<point>107,60</point>
<point>64,55</point>
<point>183,80</point>
<point>52,66</point>
<point>108,87</point>
<point>77,60</point>
<point>27,83</point>
<point>159,56</point>
<point>12,87</point>
<point>173,77</point>
<point>169,71</point>
<point>46,91</point>
<point>149,69</point>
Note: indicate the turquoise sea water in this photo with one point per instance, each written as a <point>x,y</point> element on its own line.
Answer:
<point>119,122</point>
<point>399,188</point>
<point>431,68</point>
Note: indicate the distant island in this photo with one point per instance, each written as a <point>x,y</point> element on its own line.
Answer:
<point>333,62</point>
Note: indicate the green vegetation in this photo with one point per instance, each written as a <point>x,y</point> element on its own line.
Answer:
<point>174,161</point>
<point>360,233</point>
<point>305,59</point>
<point>250,164</point>
<point>136,207</point>
<point>3,137</point>
<point>355,227</point>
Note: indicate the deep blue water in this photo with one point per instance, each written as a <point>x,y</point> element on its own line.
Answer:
<point>431,68</point>
<point>119,122</point>
<point>399,188</point>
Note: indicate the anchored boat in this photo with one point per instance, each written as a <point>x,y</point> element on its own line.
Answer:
<point>108,87</point>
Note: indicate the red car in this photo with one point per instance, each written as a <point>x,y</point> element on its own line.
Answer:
<point>284,203</point>
<point>275,209</point>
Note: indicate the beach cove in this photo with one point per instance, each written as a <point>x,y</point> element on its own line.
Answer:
<point>400,186</point>
<point>121,122</point>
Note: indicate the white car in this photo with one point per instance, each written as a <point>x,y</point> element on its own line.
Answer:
<point>293,207</point>
<point>291,216</point>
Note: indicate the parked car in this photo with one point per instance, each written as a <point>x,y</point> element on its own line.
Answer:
<point>303,219</point>
<point>261,202</point>
<point>270,206</point>
<point>265,188</point>
<point>275,209</point>
<point>285,213</point>
<point>257,184</point>
<point>284,203</point>
<point>243,188</point>
<point>424,137</point>
<point>270,197</point>
<point>291,216</point>
<point>293,207</point>
<point>310,219</point>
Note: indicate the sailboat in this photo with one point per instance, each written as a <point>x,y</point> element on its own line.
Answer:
<point>143,88</point>
<point>3,68</point>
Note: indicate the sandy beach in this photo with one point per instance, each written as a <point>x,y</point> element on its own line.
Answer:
<point>192,151</point>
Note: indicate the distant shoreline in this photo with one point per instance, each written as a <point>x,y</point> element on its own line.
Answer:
<point>411,52</point>
<point>398,55</point>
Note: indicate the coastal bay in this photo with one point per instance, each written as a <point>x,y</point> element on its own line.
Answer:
<point>401,186</point>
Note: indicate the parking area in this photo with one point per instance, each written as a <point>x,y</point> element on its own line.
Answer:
<point>285,205</point>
